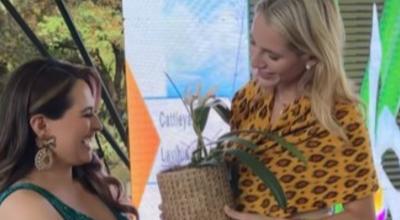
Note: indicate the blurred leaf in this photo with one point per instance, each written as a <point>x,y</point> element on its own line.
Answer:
<point>200,116</point>
<point>275,137</point>
<point>222,109</point>
<point>288,146</point>
<point>266,176</point>
<point>236,139</point>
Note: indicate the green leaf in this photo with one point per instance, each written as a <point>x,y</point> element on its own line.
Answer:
<point>289,146</point>
<point>174,86</point>
<point>275,137</point>
<point>241,141</point>
<point>266,176</point>
<point>214,160</point>
<point>231,133</point>
<point>215,156</point>
<point>222,110</point>
<point>200,116</point>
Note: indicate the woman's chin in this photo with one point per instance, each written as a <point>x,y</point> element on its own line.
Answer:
<point>89,157</point>
<point>85,159</point>
<point>269,82</point>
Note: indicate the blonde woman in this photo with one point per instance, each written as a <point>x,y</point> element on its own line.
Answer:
<point>300,91</point>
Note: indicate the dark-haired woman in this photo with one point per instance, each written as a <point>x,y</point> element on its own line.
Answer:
<point>48,118</point>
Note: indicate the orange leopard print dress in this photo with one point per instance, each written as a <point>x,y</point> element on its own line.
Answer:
<point>336,172</point>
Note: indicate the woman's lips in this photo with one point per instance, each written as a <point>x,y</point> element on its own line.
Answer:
<point>87,144</point>
<point>266,75</point>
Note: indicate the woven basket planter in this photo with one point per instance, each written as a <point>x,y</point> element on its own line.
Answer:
<point>195,193</point>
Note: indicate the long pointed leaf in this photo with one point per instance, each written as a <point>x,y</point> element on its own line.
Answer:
<point>228,134</point>
<point>241,141</point>
<point>201,116</point>
<point>289,146</point>
<point>177,91</point>
<point>221,109</point>
<point>223,112</point>
<point>267,177</point>
<point>275,137</point>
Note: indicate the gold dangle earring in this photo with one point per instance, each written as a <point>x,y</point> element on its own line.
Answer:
<point>44,156</point>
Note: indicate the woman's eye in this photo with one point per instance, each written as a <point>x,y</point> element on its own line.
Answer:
<point>274,58</point>
<point>88,115</point>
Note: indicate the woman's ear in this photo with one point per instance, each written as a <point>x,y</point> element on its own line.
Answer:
<point>309,60</point>
<point>38,125</point>
<point>312,62</point>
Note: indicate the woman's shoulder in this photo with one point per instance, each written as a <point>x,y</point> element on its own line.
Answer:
<point>341,103</point>
<point>352,110</point>
<point>26,204</point>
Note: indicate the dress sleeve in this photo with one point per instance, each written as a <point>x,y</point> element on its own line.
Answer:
<point>360,178</point>
<point>234,121</point>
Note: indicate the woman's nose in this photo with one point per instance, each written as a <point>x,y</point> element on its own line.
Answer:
<point>96,124</point>
<point>256,59</point>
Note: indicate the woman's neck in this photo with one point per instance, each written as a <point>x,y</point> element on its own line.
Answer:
<point>55,176</point>
<point>287,93</point>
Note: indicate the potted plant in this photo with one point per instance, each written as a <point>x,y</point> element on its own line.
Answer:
<point>200,189</point>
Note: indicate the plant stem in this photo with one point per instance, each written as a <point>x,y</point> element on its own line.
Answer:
<point>202,146</point>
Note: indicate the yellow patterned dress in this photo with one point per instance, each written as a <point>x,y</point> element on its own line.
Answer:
<point>336,172</point>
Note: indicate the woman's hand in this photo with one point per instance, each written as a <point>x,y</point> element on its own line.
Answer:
<point>246,216</point>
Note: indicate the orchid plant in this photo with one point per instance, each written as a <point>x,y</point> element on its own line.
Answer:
<point>207,153</point>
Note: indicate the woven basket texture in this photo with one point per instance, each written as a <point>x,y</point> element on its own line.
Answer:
<point>195,193</point>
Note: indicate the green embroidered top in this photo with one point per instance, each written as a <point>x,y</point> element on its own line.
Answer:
<point>63,209</point>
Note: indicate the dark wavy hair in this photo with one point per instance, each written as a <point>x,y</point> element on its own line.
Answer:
<point>42,86</point>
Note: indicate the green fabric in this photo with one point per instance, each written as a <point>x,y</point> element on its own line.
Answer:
<point>63,209</point>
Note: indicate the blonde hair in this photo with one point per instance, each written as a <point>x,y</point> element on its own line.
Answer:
<point>315,27</point>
